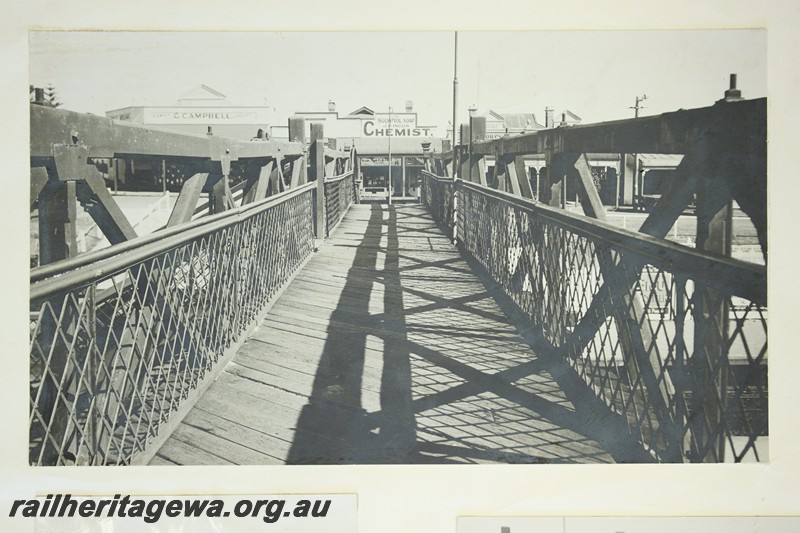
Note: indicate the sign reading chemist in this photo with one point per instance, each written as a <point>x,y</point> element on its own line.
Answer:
<point>396,125</point>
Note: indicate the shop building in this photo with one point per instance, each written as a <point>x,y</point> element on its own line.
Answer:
<point>385,143</point>
<point>201,110</point>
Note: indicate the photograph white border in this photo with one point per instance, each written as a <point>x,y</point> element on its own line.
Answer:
<point>425,498</point>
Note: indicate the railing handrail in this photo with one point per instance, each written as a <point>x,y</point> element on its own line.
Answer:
<point>434,176</point>
<point>89,267</point>
<point>340,177</point>
<point>740,278</point>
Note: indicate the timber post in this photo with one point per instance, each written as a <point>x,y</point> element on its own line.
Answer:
<point>477,163</point>
<point>297,133</point>
<point>317,172</point>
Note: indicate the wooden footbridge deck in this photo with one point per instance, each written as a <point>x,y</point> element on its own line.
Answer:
<point>281,321</point>
<point>386,348</point>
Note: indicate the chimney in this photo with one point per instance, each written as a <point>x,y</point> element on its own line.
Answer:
<point>733,93</point>
<point>331,105</point>
<point>38,96</point>
<point>548,117</point>
<point>409,106</point>
<point>563,119</point>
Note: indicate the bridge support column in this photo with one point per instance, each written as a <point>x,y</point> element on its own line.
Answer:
<point>712,323</point>
<point>57,216</point>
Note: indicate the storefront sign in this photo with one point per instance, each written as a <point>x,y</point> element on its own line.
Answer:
<point>205,115</point>
<point>403,125</point>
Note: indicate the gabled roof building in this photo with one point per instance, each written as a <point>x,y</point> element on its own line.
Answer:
<point>200,110</point>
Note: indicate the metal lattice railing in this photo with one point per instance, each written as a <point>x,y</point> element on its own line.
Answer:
<point>437,194</point>
<point>340,192</point>
<point>117,346</point>
<point>671,339</point>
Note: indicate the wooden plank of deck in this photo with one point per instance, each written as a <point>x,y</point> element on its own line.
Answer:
<point>385,349</point>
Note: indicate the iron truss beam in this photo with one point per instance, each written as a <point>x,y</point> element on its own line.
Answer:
<point>107,138</point>
<point>739,124</point>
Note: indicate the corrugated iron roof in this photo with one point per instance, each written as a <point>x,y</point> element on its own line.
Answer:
<point>521,121</point>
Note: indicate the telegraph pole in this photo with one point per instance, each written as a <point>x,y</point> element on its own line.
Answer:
<point>455,102</point>
<point>636,185</point>
<point>389,184</point>
<point>637,107</point>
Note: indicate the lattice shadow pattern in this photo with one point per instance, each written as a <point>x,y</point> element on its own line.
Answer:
<point>646,336</point>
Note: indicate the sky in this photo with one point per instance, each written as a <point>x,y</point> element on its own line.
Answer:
<point>594,74</point>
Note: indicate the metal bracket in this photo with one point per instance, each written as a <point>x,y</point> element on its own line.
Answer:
<point>222,163</point>
<point>71,161</point>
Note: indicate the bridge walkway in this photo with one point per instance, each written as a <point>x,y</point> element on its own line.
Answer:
<point>388,348</point>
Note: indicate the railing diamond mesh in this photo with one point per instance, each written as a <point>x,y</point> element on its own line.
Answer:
<point>120,345</point>
<point>437,195</point>
<point>644,329</point>
<point>340,192</point>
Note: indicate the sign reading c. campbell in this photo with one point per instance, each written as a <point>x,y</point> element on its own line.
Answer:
<point>205,115</point>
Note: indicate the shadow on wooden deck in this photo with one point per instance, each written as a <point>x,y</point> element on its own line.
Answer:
<point>388,349</point>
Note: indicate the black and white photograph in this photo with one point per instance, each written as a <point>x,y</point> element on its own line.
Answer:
<point>398,247</point>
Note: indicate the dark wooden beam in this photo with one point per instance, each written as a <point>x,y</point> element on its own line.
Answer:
<point>317,173</point>
<point>57,216</point>
<point>104,210</point>
<point>104,138</point>
<point>737,123</point>
<point>519,174</point>
<point>220,196</point>
<point>630,317</point>
<point>298,173</point>
<point>673,202</point>
<point>477,162</point>
<point>38,181</point>
<point>257,184</point>
<point>590,199</point>
<point>276,184</point>
<point>297,130</point>
<point>187,199</point>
